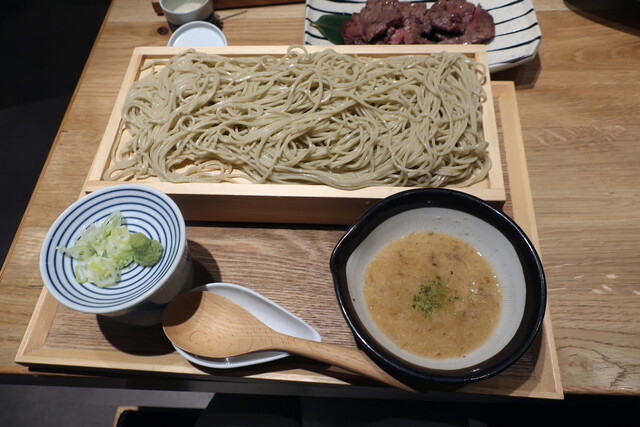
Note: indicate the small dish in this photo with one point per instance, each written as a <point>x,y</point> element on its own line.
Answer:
<point>198,33</point>
<point>141,293</point>
<point>492,233</point>
<point>273,315</point>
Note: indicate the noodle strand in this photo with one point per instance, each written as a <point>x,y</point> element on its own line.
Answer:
<point>322,118</point>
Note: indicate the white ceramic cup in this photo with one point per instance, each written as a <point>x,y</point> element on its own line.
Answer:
<point>178,12</point>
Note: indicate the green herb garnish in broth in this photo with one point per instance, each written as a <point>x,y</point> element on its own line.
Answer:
<point>432,296</point>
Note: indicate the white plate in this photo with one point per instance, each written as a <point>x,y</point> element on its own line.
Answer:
<point>267,311</point>
<point>198,33</point>
<point>517,31</point>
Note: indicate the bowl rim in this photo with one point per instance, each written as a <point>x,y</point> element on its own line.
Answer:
<point>141,299</point>
<point>535,302</point>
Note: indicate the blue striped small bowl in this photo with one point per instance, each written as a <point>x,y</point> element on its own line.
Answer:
<point>141,293</point>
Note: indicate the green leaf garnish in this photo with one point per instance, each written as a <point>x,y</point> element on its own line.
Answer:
<point>330,25</point>
<point>432,296</point>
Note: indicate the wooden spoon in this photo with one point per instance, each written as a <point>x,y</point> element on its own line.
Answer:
<point>211,325</point>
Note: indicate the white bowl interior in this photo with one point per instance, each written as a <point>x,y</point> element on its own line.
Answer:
<point>489,241</point>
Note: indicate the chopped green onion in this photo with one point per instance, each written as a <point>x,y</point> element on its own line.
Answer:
<point>102,251</point>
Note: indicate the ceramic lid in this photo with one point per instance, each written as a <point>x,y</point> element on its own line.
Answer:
<point>198,33</point>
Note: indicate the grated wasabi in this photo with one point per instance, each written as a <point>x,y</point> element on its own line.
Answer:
<point>146,251</point>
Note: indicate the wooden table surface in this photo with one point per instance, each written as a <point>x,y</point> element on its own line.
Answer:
<point>578,103</point>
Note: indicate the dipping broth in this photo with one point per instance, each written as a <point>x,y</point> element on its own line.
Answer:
<point>188,6</point>
<point>470,301</point>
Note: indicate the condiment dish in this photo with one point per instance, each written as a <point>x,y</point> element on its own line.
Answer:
<point>141,293</point>
<point>198,33</point>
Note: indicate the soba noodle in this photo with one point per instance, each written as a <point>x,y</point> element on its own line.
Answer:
<point>325,118</point>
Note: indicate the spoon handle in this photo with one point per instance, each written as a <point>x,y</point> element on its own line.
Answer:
<point>347,358</point>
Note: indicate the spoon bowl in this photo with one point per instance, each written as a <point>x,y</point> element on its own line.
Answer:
<point>211,325</point>
<point>270,313</point>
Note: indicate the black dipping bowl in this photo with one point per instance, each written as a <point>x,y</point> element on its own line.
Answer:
<point>492,233</point>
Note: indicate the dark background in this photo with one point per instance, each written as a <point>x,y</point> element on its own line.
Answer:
<point>45,44</point>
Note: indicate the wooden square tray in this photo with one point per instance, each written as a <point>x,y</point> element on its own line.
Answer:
<point>275,202</point>
<point>290,265</point>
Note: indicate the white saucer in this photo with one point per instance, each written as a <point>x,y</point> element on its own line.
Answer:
<point>270,313</point>
<point>198,33</point>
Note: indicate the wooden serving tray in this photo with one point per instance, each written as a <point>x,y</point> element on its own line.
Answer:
<point>289,265</point>
<point>312,204</point>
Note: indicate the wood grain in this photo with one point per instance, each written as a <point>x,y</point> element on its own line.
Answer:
<point>581,145</point>
<point>578,102</point>
<point>288,264</point>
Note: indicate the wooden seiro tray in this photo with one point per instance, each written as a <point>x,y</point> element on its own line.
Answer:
<point>274,202</point>
<point>290,265</point>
